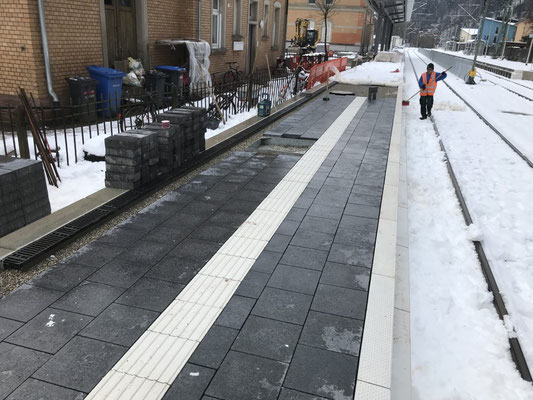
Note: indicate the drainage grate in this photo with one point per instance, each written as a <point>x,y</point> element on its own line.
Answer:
<point>90,218</point>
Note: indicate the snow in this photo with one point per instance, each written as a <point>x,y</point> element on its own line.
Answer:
<point>489,60</point>
<point>231,122</point>
<point>372,73</point>
<point>460,347</point>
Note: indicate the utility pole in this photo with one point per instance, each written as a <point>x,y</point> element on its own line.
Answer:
<point>508,16</point>
<point>472,73</point>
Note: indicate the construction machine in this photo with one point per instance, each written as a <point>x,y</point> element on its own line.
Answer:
<point>305,39</point>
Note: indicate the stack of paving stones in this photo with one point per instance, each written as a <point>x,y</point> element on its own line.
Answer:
<point>23,193</point>
<point>190,123</point>
<point>131,159</point>
<point>291,331</point>
<point>170,146</point>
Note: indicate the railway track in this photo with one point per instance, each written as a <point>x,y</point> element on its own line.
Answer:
<point>499,304</point>
<point>511,90</point>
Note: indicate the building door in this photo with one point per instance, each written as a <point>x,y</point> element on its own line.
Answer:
<point>121,30</point>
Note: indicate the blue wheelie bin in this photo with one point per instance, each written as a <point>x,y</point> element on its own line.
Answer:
<point>174,76</point>
<point>108,88</point>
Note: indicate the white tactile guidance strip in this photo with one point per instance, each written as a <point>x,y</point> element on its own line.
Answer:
<point>150,366</point>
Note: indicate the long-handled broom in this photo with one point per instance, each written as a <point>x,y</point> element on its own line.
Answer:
<point>406,102</point>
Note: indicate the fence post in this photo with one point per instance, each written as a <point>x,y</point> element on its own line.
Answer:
<point>22,134</point>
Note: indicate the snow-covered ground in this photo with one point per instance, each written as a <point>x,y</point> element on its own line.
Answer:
<point>372,73</point>
<point>494,61</point>
<point>460,347</point>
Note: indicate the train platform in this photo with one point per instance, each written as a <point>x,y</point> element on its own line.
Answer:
<point>274,274</point>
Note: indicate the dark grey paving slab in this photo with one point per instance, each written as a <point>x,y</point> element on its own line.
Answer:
<point>214,347</point>
<point>196,249</point>
<point>242,206</point>
<point>151,294</point>
<point>327,211</point>
<point>348,276</point>
<point>26,302</point>
<point>145,252</point>
<point>361,210</point>
<point>17,364</point>
<point>368,190</point>
<point>33,389</point>
<point>229,187</point>
<point>278,243</point>
<point>95,255</point>
<point>296,214</point>
<point>182,219</point>
<point>202,209</point>
<point>168,235</point>
<point>359,223</point>
<point>63,277</point>
<point>89,298</point>
<point>7,327</point>
<point>253,284</point>
<point>120,272</point>
<point>340,301</point>
<point>354,254</point>
<point>303,202</point>
<point>312,239</point>
<point>289,394</point>
<point>81,364</point>
<point>288,228</point>
<point>352,236</point>
<point>323,225</point>
<point>120,324</point>
<point>244,376</point>
<point>235,312</point>
<point>49,331</point>
<point>295,279</point>
<point>266,262</point>
<point>190,384</point>
<point>176,269</point>
<point>333,333</point>
<point>283,305</point>
<point>250,195</point>
<point>212,233</point>
<point>121,236</point>
<point>268,338</point>
<point>228,218</point>
<point>323,373</point>
<point>305,258</point>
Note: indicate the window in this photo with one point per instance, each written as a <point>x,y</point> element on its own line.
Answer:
<point>496,32</point>
<point>276,25</point>
<point>311,1</point>
<point>237,8</point>
<point>265,18</point>
<point>217,22</point>
<point>253,11</point>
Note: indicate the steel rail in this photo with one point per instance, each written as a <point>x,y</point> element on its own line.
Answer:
<point>499,304</point>
<point>510,90</point>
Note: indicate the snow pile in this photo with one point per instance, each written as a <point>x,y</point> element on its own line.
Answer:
<point>95,146</point>
<point>231,122</point>
<point>371,73</point>
<point>448,106</point>
<point>388,56</point>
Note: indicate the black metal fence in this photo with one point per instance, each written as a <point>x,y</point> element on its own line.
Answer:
<point>69,127</point>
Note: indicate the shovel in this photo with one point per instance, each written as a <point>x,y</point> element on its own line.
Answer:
<point>406,102</point>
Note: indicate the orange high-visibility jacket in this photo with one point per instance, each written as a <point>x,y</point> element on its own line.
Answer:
<point>431,84</point>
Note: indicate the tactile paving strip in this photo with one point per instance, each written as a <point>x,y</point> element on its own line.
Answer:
<point>150,366</point>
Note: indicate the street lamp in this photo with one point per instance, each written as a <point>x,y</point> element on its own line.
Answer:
<point>472,72</point>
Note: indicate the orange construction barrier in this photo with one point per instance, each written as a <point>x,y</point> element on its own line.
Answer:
<point>321,72</point>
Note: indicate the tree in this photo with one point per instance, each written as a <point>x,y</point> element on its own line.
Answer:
<point>326,8</point>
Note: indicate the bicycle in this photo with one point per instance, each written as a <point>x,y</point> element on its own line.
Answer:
<point>138,114</point>
<point>234,74</point>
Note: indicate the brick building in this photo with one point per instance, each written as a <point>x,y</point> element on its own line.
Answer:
<point>349,26</point>
<point>100,32</point>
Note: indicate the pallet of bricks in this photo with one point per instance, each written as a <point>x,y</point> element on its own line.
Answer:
<point>137,157</point>
<point>23,193</point>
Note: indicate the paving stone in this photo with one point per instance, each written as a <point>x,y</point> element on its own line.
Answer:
<point>361,210</point>
<point>333,333</point>
<point>95,255</point>
<point>33,389</point>
<point>309,192</point>
<point>202,209</point>
<point>27,301</point>
<point>352,254</point>
<point>176,269</point>
<point>7,327</point>
<point>352,236</point>
<point>296,214</point>
<point>323,373</point>
<point>120,272</point>
<point>151,294</point>
<point>348,276</point>
<point>147,220</point>
<point>343,183</point>
<point>17,364</point>
<point>121,236</point>
<point>323,225</point>
<point>283,305</point>
<point>295,279</point>
<point>228,218</point>
<point>81,364</point>
<point>289,394</point>
<point>212,233</point>
<point>168,235</point>
<point>250,195</point>
<point>89,298</point>
<point>244,376</point>
<point>120,324</point>
<point>181,220</point>
<point>303,202</point>
<point>217,197</point>
<point>214,347</point>
<point>63,277</point>
<point>190,384</point>
<point>196,249</point>
<point>50,330</point>
<point>288,228</point>
<point>368,190</point>
<point>359,223</point>
<point>241,206</point>
<point>312,239</point>
<point>253,284</point>
<point>327,211</point>
<point>236,312</point>
<point>145,252</point>
<point>278,243</point>
<point>305,258</point>
<point>266,262</point>
<point>340,301</point>
<point>366,199</point>
<point>260,186</point>
<point>268,338</point>
<point>236,178</point>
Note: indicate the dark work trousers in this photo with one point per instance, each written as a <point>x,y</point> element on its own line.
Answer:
<point>426,103</point>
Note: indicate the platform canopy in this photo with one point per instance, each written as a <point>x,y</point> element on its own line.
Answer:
<point>396,11</point>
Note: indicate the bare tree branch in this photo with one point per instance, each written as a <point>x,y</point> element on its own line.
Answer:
<point>327,9</point>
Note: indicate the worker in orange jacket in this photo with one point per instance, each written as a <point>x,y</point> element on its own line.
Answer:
<point>428,85</point>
